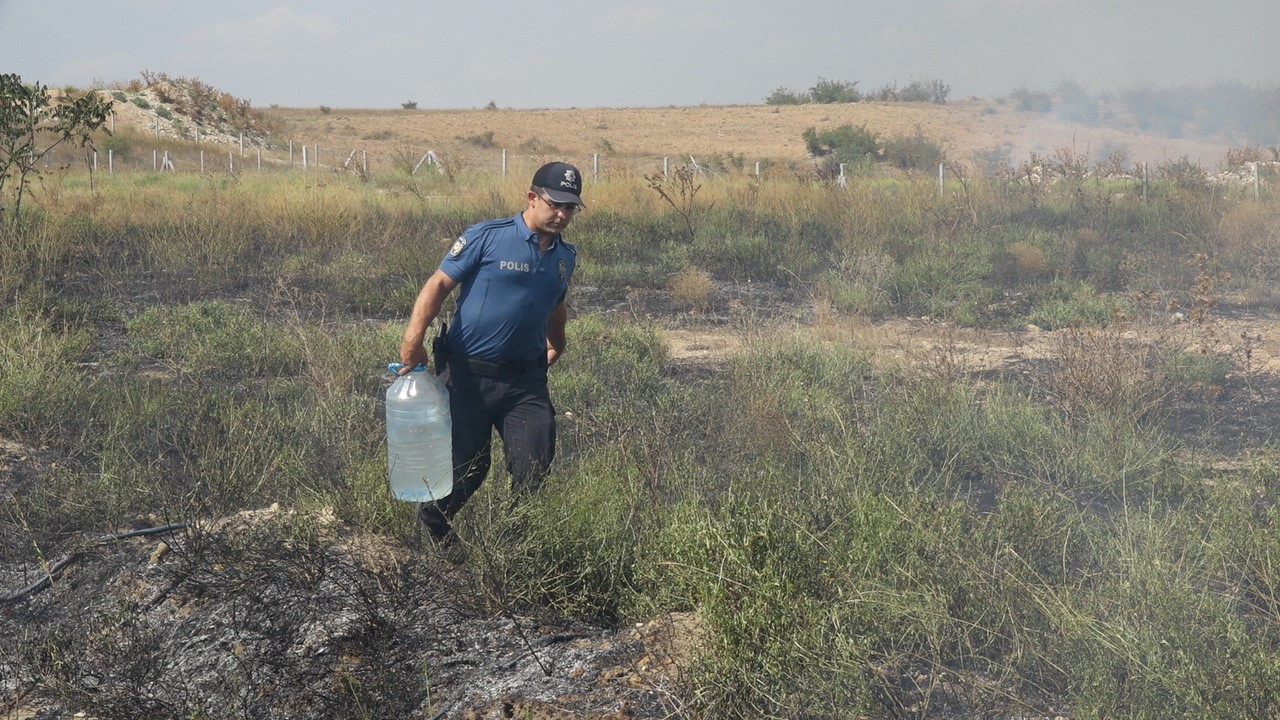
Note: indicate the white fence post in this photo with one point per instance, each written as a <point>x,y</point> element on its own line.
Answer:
<point>430,158</point>
<point>697,169</point>
<point>504,162</point>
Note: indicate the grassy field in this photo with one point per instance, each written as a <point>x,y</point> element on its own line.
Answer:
<point>754,132</point>
<point>1082,535</point>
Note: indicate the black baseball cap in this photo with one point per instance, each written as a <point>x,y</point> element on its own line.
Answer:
<point>561,181</point>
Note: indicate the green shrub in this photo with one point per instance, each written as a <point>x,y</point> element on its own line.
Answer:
<point>913,153</point>
<point>827,92</point>
<point>1032,100</point>
<point>40,379</point>
<point>930,91</point>
<point>947,282</point>
<point>1066,304</point>
<point>608,364</point>
<point>786,96</point>
<point>775,648</point>
<point>1151,639</point>
<point>845,143</point>
<point>743,258</point>
<point>121,145</point>
<point>859,285</point>
<point>1196,375</point>
<point>570,550</point>
<point>216,338</point>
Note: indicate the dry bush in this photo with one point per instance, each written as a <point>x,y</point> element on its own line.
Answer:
<point>1248,241</point>
<point>1080,245</point>
<point>1030,259</point>
<point>694,287</point>
<point>943,359</point>
<point>1025,263</point>
<point>1253,153</point>
<point>1102,369</point>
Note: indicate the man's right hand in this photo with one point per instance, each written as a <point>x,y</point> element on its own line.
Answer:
<point>411,355</point>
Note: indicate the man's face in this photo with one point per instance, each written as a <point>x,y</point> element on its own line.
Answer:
<point>548,217</point>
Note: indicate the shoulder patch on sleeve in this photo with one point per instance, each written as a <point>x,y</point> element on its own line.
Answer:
<point>457,246</point>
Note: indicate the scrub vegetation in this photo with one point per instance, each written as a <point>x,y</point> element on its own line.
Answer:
<point>857,535</point>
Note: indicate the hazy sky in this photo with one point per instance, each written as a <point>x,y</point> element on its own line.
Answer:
<point>605,53</point>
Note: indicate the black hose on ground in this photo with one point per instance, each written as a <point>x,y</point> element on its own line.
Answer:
<point>56,568</point>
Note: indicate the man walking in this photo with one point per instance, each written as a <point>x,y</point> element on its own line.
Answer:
<point>507,329</point>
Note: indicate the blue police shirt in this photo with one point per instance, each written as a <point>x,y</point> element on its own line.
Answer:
<point>508,289</point>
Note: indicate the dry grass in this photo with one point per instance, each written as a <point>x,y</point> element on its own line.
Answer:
<point>694,287</point>
<point>755,132</point>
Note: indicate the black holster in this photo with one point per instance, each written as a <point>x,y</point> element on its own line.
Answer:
<point>440,348</point>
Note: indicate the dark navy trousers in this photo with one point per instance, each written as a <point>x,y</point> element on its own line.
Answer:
<point>481,400</point>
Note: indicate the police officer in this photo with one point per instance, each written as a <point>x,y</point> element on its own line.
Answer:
<point>508,327</point>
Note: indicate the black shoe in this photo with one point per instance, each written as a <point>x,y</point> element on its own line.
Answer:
<point>433,520</point>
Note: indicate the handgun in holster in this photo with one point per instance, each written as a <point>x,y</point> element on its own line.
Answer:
<point>440,348</point>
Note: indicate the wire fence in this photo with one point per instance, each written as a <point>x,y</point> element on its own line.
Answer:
<point>238,158</point>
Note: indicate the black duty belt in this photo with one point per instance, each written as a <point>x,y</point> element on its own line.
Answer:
<point>493,368</point>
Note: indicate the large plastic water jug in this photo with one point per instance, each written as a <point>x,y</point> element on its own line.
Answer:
<point>419,437</point>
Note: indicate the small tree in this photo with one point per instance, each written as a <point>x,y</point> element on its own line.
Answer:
<point>844,144</point>
<point>29,116</point>
<point>1032,100</point>
<point>825,92</point>
<point>679,191</point>
<point>786,96</point>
